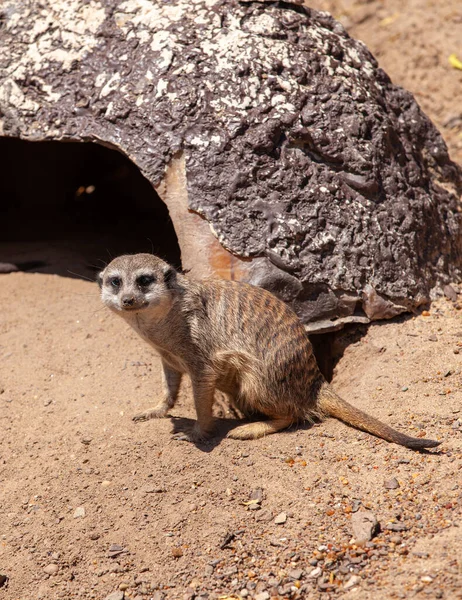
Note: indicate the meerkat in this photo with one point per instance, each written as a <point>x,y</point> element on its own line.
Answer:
<point>233,337</point>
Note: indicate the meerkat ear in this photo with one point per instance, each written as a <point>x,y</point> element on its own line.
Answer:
<point>170,276</point>
<point>99,279</point>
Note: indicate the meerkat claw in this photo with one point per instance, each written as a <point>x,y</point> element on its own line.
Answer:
<point>154,413</point>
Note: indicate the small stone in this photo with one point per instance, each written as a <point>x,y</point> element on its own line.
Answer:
<point>123,586</point>
<point>153,489</point>
<point>313,562</point>
<point>354,580</point>
<point>115,550</point>
<point>116,596</point>
<point>432,338</point>
<point>244,593</point>
<point>281,518</point>
<point>257,494</point>
<point>158,595</point>
<point>51,569</point>
<point>79,512</point>
<point>264,516</point>
<point>105,483</point>
<point>364,525</point>
<point>86,441</point>
<point>177,552</point>
<point>315,573</point>
<point>262,596</point>
<point>450,293</point>
<point>396,527</point>
<point>456,351</point>
<point>296,574</point>
<point>392,484</point>
<point>404,388</point>
<point>94,536</point>
<point>3,580</point>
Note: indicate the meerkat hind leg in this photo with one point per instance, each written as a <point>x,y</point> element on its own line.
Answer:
<point>253,431</point>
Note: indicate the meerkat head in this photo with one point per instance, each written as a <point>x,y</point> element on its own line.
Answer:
<point>138,282</point>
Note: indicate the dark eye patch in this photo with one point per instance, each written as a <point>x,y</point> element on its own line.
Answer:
<point>145,280</point>
<point>115,282</point>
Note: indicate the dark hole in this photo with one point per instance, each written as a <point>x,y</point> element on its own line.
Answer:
<point>329,348</point>
<point>68,208</point>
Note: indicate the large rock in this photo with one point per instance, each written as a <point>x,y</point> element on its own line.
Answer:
<point>285,155</point>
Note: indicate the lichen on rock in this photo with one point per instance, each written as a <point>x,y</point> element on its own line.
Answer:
<point>299,151</point>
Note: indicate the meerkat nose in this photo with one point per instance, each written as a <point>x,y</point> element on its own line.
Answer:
<point>128,301</point>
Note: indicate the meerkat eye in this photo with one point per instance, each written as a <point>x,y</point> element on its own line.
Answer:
<point>145,280</point>
<point>115,282</point>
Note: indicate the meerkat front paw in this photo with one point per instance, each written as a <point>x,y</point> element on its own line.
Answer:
<point>195,435</point>
<point>157,412</point>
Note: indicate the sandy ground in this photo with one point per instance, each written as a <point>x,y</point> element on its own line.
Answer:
<point>92,504</point>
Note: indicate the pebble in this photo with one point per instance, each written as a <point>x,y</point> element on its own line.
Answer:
<point>392,484</point>
<point>450,293</point>
<point>3,580</point>
<point>315,573</point>
<point>105,483</point>
<point>262,596</point>
<point>313,562</point>
<point>51,569</point>
<point>257,494</point>
<point>281,518</point>
<point>296,573</point>
<point>264,516</point>
<point>244,593</point>
<point>354,580</point>
<point>115,596</point>
<point>79,512</point>
<point>364,525</point>
<point>115,550</point>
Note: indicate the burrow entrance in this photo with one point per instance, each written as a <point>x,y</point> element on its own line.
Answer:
<point>68,208</point>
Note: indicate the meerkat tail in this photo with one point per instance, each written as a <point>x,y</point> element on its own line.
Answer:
<point>253,431</point>
<point>331,404</point>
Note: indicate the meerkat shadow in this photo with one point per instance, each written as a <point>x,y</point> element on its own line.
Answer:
<point>222,427</point>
